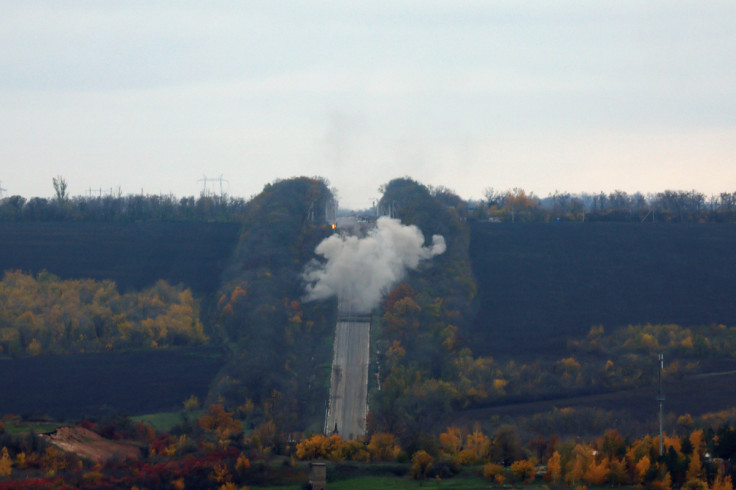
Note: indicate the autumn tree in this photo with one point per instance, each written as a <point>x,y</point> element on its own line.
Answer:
<point>421,462</point>
<point>6,464</point>
<point>494,472</point>
<point>383,447</point>
<point>597,473</point>
<point>518,203</point>
<point>451,441</point>
<point>578,464</point>
<point>523,470</point>
<point>220,422</point>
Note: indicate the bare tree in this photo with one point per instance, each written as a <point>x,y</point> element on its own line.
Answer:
<point>60,188</point>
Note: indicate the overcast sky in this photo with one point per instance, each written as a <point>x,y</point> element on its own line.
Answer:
<point>574,96</point>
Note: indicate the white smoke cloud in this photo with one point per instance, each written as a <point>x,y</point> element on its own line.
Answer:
<point>361,270</point>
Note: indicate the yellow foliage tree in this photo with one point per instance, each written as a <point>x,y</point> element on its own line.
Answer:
<point>451,441</point>
<point>6,464</point>
<point>242,464</point>
<point>722,483</point>
<point>617,473</point>
<point>191,403</point>
<point>554,468</point>
<point>664,481</point>
<point>494,472</point>
<point>580,459</point>
<point>523,470</point>
<point>642,467</point>
<point>421,462</point>
<point>697,439</point>
<point>694,468</point>
<point>597,474</point>
<point>319,446</point>
<point>353,450</point>
<point>479,443</point>
<point>220,422</point>
<point>466,457</point>
<point>311,448</point>
<point>383,447</point>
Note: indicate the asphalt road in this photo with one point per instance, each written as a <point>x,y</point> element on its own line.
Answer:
<point>349,380</point>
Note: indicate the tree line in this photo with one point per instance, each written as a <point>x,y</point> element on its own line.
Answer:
<point>671,206</point>
<point>280,345</point>
<point>213,449</point>
<point>119,208</point>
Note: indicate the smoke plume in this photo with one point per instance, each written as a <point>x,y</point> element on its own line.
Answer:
<point>361,270</point>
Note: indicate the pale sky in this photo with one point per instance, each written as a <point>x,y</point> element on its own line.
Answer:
<point>555,95</point>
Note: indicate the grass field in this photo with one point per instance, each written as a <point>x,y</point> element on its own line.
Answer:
<point>165,421</point>
<point>18,427</point>
<point>467,479</point>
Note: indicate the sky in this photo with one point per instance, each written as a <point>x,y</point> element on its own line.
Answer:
<point>154,96</point>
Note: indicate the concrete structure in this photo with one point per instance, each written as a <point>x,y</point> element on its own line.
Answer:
<point>348,404</point>
<point>317,476</point>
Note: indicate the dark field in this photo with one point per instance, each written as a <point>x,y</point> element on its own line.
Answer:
<point>636,410</point>
<point>134,255</point>
<point>542,283</point>
<point>131,383</point>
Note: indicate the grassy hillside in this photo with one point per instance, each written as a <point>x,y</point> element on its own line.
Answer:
<point>541,283</point>
<point>134,255</point>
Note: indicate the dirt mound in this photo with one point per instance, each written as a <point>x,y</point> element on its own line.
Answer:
<point>87,444</point>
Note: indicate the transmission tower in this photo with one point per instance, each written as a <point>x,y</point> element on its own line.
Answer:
<point>204,185</point>
<point>219,179</point>
<point>2,189</point>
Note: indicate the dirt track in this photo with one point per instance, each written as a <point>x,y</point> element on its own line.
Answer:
<point>88,444</point>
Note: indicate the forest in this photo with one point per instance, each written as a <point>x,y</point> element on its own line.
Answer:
<point>44,314</point>
<point>526,351</point>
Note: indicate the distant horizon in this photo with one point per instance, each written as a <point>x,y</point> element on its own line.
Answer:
<point>607,95</point>
<point>113,192</point>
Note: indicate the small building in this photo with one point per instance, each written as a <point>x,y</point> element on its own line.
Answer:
<point>317,476</point>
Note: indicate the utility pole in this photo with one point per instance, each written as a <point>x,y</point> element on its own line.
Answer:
<point>660,399</point>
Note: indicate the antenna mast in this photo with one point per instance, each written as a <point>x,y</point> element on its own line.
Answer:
<point>660,399</point>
